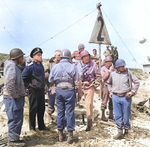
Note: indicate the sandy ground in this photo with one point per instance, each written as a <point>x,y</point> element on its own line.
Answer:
<point>101,134</point>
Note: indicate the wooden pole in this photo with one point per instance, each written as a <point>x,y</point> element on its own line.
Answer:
<point>100,56</point>
<point>100,69</point>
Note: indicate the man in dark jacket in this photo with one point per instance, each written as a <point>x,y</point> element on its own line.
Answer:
<point>34,79</point>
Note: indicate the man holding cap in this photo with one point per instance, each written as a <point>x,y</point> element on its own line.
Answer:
<point>34,79</point>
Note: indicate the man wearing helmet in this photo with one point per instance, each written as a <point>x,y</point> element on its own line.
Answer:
<point>124,86</point>
<point>13,94</point>
<point>64,76</point>
<point>105,72</point>
<point>76,54</point>
<point>90,78</point>
<point>34,79</point>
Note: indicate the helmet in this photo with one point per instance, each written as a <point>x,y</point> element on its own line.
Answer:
<point>65,53</point>
<point>120,62</point>
<point>81,46</point>
<point>108,58</point>
<point>84,53</point>
<point>16,53</point>
<point>35,50</point>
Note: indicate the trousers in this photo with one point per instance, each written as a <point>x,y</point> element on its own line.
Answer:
<point>106,98</point>
<point>36,107</point>
<point>89,94</point>
<point>51,99</point>
<point>14,110</point>
<point>65,101</point>
<point>122,111</point>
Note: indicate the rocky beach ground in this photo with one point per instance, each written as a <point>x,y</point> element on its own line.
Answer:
<point>101,134</point>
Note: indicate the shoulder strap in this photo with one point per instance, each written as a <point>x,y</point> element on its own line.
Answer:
<point>130,79</point>
<point>30,64</point>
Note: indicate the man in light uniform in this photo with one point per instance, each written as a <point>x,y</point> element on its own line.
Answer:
<point>64,75</point>
<point>124,86</point>
<point>105,72</point>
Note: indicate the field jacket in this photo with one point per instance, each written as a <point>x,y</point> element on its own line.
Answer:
<point>13,83</point>
<point>123,82</point>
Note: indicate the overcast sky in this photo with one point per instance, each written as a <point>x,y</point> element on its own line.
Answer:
<point>30,23</point>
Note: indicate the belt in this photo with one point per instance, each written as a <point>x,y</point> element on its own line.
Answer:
<point>120,94</point>
<point>65,86</point>
<point>64,81</point>
<point>7,97</point>
<point>11,98</point>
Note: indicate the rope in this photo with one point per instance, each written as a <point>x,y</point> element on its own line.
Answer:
<point>122,39</point>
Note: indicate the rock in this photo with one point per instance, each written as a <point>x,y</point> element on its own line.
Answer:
<point>142,102</point>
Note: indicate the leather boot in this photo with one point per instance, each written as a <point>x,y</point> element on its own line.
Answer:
<point>89,125</point>
<point>111,116</point>
<point>126,133</point>
<point>70,137</point>
<point>61,135</point>
<point>119,135</point>
<point>103,115</point>
<point>17,143</point>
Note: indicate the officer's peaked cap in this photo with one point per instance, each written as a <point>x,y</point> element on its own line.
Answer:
<point>35,51</point>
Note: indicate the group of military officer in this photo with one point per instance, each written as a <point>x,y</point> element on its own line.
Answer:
<point>65,80</point>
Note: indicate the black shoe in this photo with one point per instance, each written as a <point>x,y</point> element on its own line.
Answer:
<point>44,128</point>
<point>88,129</point>
<point>32,128</point>
<point>16,143</point>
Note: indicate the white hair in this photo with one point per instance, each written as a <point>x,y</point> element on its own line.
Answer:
<point>57,51</point>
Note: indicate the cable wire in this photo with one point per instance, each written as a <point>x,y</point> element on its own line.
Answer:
<point>11,35</point>
<point>19,22</point>
<point>66,28</point>
<point>121,39</point>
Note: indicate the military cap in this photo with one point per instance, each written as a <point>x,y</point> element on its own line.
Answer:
<point>35,51</point>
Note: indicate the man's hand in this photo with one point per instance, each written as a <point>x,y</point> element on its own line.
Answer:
<point>110,94</point>
<point>129,94</point>
<point>86,83</point>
